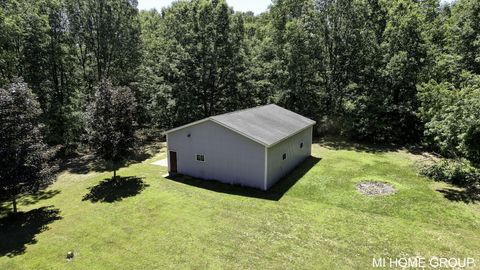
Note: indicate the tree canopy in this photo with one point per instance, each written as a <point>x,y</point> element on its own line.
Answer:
<point>24,158</point>
<point>111,123</point>
<point>377,70</point>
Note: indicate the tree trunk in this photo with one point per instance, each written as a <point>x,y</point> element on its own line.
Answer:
<point>14,204</point>
<point>114,173</point>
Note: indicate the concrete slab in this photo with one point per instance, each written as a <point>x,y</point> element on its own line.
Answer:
<point>162,162</point>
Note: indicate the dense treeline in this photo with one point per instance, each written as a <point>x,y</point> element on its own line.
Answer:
<point>377,70</point>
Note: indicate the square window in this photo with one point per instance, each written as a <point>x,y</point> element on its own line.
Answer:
<point>301,145</point>
<point>201,158</point>
<point>284,156</point>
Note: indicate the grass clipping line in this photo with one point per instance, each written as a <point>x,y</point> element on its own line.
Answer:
<point>373,188</point>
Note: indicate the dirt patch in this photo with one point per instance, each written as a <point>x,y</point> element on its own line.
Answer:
<point>374,188</point>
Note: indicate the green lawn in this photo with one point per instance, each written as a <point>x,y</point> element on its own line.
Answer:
<point>320,221</point>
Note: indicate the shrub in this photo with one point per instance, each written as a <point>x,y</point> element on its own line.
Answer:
<point>472,143</point>
<point>455,171</point>
<point>450,115</point>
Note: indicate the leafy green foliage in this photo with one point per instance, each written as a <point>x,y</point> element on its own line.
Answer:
<point>24,158</point>
<point>472,142</point>
<point>62,48</point>
<point>299,64</point>
<point>404,52</point>
<point>203,60</point>
<point>458,172</point>
<point>451,118</point>
<point>373,70</point>
<point>465,33</point>
<point>111,123</point>
<point>354,94</point>
<point>153,94</point>
<point>106,34</point>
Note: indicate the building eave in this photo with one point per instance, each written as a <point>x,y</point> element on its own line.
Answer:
<point>290,135</point>
<point>185,126</point>
<point>237,131</point>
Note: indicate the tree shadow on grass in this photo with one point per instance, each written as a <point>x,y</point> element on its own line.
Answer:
<point>19,230</point>
<point>85,163</point>
<point>115,189</point>
<point>39,195</point>
<point>466,195</point>
<point>4,209</point>
<point>275,193</point>
<point>336,143</point>
<point>26,199</point>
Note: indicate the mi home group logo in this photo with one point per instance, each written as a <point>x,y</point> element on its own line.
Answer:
<point>422,262</point>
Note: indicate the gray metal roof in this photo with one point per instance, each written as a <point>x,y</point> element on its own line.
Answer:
<point>266,125</point>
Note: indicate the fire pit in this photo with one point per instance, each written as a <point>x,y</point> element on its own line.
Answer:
<point>375,188</point>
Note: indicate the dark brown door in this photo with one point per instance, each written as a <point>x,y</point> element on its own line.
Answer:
<point>173,162</point>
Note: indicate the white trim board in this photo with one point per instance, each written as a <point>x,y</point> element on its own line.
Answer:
<point>266,169</point>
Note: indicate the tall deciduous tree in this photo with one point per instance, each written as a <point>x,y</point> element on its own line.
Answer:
<point>352,32</point>
<point>204,45</point>
<point>38,48</point>
<point>298,47</point>
<point>107,36</point>
<point>465,33</point>
<point>404,54</point>
<point>155,104</point>
<point>111,123</point>
<point>24,158</point>
<point>62,117</point>
<point>451,117</point>
<point>352,65</point>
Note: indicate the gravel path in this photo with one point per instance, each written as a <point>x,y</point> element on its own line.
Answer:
<point>376,188</point>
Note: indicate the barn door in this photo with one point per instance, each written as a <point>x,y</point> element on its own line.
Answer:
<point>173,162</point>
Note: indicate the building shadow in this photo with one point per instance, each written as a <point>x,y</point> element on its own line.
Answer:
<point>19,230</point>
<point>115,189</point>
<point>466,195</point>
<point>275,193</point>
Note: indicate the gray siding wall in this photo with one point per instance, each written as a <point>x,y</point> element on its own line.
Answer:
<point>276,166</point>
<point>229,157</point>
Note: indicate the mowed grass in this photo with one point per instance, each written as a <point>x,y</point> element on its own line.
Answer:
<point>321,222</point>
